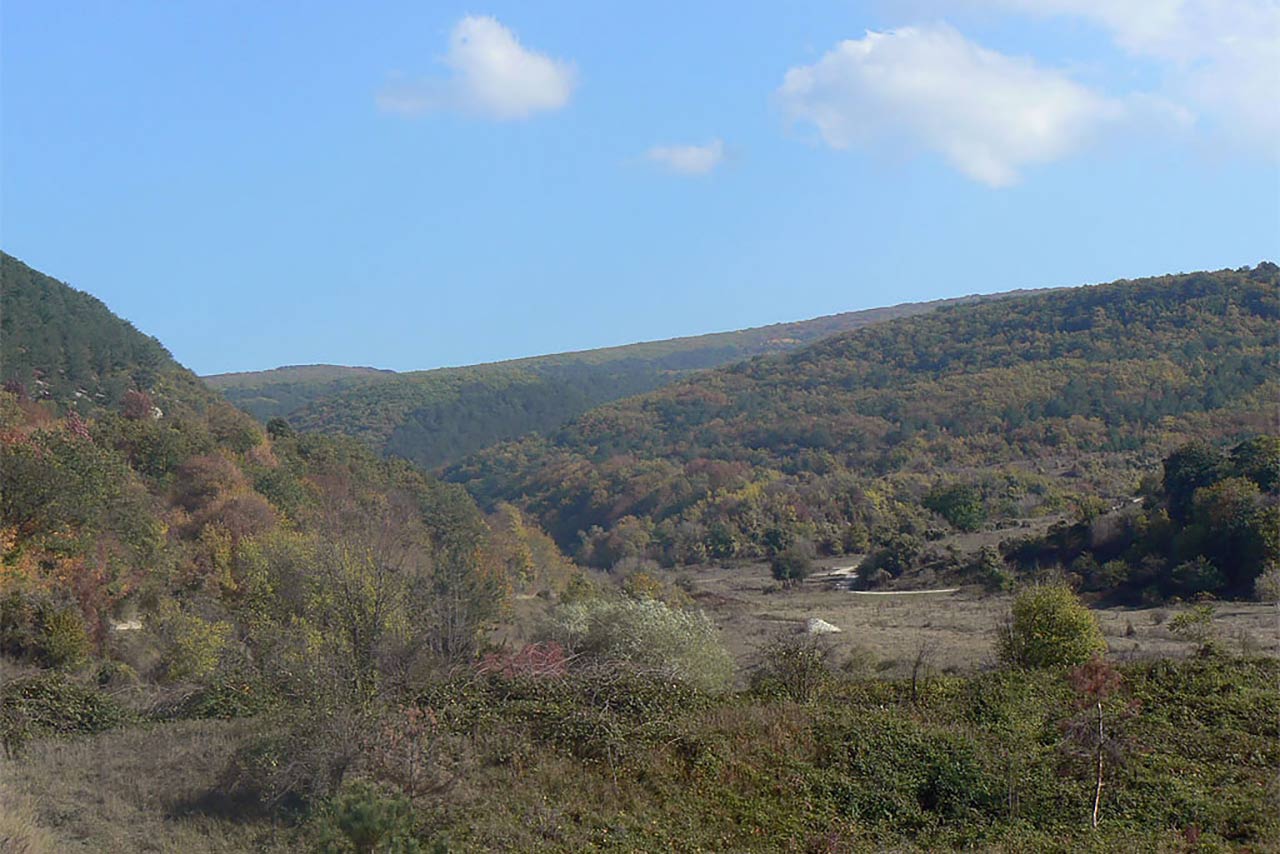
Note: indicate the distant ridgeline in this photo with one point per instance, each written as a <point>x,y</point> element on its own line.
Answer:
<point>61,344</point>
<point>439,416</point>
<point>888,435</point>
<point>278,392</point>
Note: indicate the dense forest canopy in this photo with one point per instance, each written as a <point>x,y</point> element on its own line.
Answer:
<point>278,392</point>
<point>1031,402</point>
<point>439,416</point>
<point>58,343</point>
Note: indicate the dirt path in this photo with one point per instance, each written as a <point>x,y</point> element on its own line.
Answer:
<point>902,592</point>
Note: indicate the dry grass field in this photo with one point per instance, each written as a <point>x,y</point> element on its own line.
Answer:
<point>147,788</point>
<point>884,632</point>
<point>142,788</point>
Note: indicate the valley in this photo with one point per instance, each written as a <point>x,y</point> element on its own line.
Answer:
<point>858,593</point>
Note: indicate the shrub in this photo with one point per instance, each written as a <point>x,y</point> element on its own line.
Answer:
<point>1267,586</point>
<point>794,667</point>
<point>41,630</point>
<point>53,704</point>
<point>1196,626</point>
<point>1197,575</point>
<point>793,564</point>
<point>1049,627</point>
<point>960,504</point>
<point>649,636</point>
<point>193,645</point>
<point>895,555</point>
<point>367,818</point>
<point>899,769</point>
<point>990,570</point>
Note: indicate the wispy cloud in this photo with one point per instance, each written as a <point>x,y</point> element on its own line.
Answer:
<point>990,115</point>
<point>492,75</point>
<point>1222,57</point>
<point>688,159</point>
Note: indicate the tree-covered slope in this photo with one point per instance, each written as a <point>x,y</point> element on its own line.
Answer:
<point>61,344</point>
<point>278,392</point>
<point>434,417</point>
<point>190,519</point>
<point>1019,405</point>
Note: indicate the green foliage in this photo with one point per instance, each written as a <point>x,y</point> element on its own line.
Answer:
<point>64,345</point>
<point>897,769</point>
<point>1208,528</point>
<point>53,704</point>
<point>894,556</point>
<point>1049,627</point>
<point>368,819</point>
<point>647,636</point>
<point>41,629</point>
<point>440,416</point>
<point>1196,625</point>
<point>813,443</point>
<point>1196,576</point>
<point>979,764</point>
<point>795,667</point>
<point>793,564</point>
<point>193,646</point>
<point>990,570</point>
<point>1258,459</point>
<point>960,504</point>
<point>1194,465</point>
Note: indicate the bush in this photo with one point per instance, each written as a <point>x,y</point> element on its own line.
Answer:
<point>895,556</point>
<point>193,646</point>
<point>38,629</point>
<point>1049,627</point>
<point>1197,575</point>
<point>794,667</point>
<point>793,564</point>
<point>53,704</point>
<point>1196,626</point>
<point>1267,586</point>
<point>366,818</point>
<point>990,570</point>
<point>649,636</point>
<point>960,504</point>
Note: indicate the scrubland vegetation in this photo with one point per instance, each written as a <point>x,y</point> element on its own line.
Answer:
<point>220,636</point>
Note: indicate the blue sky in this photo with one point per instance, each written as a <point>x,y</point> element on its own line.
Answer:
<point>409,185</point>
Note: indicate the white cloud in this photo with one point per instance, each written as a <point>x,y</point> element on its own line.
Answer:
<point>989,114</point>
<point>688,159</point>
<point>493,75</point>
<point>1223,56</point>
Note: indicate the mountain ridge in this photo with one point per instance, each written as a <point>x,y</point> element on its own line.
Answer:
<point>1103,376</point>
<point>435,416</point>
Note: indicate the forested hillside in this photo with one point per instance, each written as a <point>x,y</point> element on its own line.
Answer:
<point>61,344</point>
<point>209,539</point>
<point>439,416</point>
<point>279,391</point>
<point>880,437</point>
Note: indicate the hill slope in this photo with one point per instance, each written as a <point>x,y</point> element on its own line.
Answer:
<point>186,519</point>
<point>1017,406</point>
<point>61,344</point>
<point>280,391</point>
<point>434,417</point>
